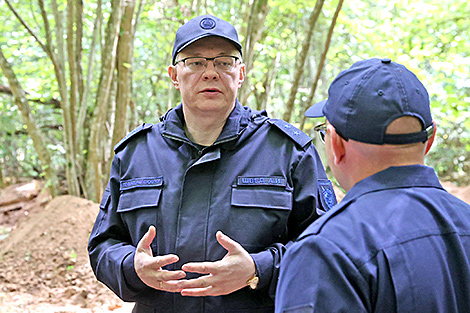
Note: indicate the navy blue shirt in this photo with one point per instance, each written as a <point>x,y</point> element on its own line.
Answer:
<point>397,242</point>
<point>261,183</point>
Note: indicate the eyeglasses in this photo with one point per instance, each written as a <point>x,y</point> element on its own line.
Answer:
<point>321,129</point>
<point>221,63</point>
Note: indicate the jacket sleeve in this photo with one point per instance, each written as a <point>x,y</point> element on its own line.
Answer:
<point>110,247</point>
<point>312,279</point>
<point>307,176</point>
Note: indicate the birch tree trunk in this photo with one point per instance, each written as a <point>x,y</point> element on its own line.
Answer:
<point>33,131</point>
<point>301,60</point>
<point>321,64</point>
<point>94,174</point>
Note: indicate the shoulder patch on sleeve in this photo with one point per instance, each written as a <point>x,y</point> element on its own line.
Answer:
<point>327,196</point>
<point>293,132</point>
<point>138,130</point>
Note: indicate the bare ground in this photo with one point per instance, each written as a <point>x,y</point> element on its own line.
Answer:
<point>43,261</point>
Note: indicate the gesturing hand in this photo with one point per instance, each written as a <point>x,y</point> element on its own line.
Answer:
<point>149,268</point>
<point>224,276</point>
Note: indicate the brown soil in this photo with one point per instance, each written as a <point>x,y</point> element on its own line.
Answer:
<point>43,258</point>
<point>43,261</point>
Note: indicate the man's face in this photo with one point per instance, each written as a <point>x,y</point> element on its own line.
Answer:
<point>210,90</point>
<point>330,156</point>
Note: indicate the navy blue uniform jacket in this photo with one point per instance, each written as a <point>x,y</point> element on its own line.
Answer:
<point>397,242</point>
<point>260,183</point>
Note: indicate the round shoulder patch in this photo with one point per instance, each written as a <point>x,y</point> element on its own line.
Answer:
<point>207,23</point>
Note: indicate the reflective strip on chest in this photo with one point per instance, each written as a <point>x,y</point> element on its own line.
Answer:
<point>261,181</point>
<point>142,182</point>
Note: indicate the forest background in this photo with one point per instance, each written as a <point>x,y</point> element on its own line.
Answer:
<point>77,76</point>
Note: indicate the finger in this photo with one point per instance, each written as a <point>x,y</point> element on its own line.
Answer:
<point>146,240</point>
<point>198,292</point>
<point>165,275</point>
<point>196,283</point>
<point>199,267</point>
<point>228,243</point>
<point>170,285</point>
<point>163,260</point>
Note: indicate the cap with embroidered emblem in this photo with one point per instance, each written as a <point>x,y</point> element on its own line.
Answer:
<point>204,26</point>
<point>364,99</point>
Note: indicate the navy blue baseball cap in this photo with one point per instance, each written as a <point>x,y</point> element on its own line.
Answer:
<point>204,26</point>
<point>364,99</point>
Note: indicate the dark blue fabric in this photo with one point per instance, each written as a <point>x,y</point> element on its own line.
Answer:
<point>397,242</point>
<point>256,184</point>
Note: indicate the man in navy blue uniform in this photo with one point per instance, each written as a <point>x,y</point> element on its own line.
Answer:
<point>397,242</point>
<point>199,207</point>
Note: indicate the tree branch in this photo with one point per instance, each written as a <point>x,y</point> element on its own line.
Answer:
<point>30,31</point>
<point>7,90</point>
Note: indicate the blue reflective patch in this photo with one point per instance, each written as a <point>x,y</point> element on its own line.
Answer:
<point>261,181</point>
<point>142,182</point>
<point>328,197</point>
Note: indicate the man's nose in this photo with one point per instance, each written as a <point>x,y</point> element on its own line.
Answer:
<point>210,72</point>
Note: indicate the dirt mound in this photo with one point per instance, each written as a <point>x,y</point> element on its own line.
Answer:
<point>44,261</point>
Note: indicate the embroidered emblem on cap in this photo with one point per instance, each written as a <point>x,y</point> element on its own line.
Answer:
<point>207,23</point>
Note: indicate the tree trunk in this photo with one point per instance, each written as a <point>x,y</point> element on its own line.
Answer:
<point>59,60</point>
<point>258,11</point>
<point>301,60</point>
<point>96,149</point>
<point>125,51</point>
<point>321,64</point>
<point>2,183</point>
<point>33,131</point>
<point>263,98</point>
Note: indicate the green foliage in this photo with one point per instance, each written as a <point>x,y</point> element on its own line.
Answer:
<point>430,37</point>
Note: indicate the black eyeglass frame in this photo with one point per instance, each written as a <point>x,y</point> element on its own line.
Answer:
<point>208,59</point>
<point>321,129</point>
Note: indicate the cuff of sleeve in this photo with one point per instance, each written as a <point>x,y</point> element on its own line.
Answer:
<point>264,265</point>
<point>132,279</point>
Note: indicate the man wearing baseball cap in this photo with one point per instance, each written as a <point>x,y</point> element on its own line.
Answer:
<point>200,207</point>
<point>397,242</point>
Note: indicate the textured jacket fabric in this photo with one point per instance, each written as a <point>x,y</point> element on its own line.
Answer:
<point>261,183</point>
<point>397,242</point>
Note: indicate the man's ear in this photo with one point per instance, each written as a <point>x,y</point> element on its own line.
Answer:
<point>337,143</point>
<point>431,140</point>
<point>242,75</point>
<point>174,76</point>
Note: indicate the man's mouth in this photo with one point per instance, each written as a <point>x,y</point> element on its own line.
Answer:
<point>211,90</point>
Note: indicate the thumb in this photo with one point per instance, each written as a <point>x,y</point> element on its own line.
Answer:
<point>146,240</point>
<point>228,243</point>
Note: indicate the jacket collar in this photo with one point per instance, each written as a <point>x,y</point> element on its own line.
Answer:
<point>395,177</point>
<point>391,178</point>
<point>173,123</point>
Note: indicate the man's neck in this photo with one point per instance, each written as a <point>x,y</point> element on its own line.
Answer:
<point>203,130</point>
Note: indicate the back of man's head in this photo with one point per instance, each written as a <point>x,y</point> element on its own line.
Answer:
<point>381,116</point>
<point>366,98</point>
